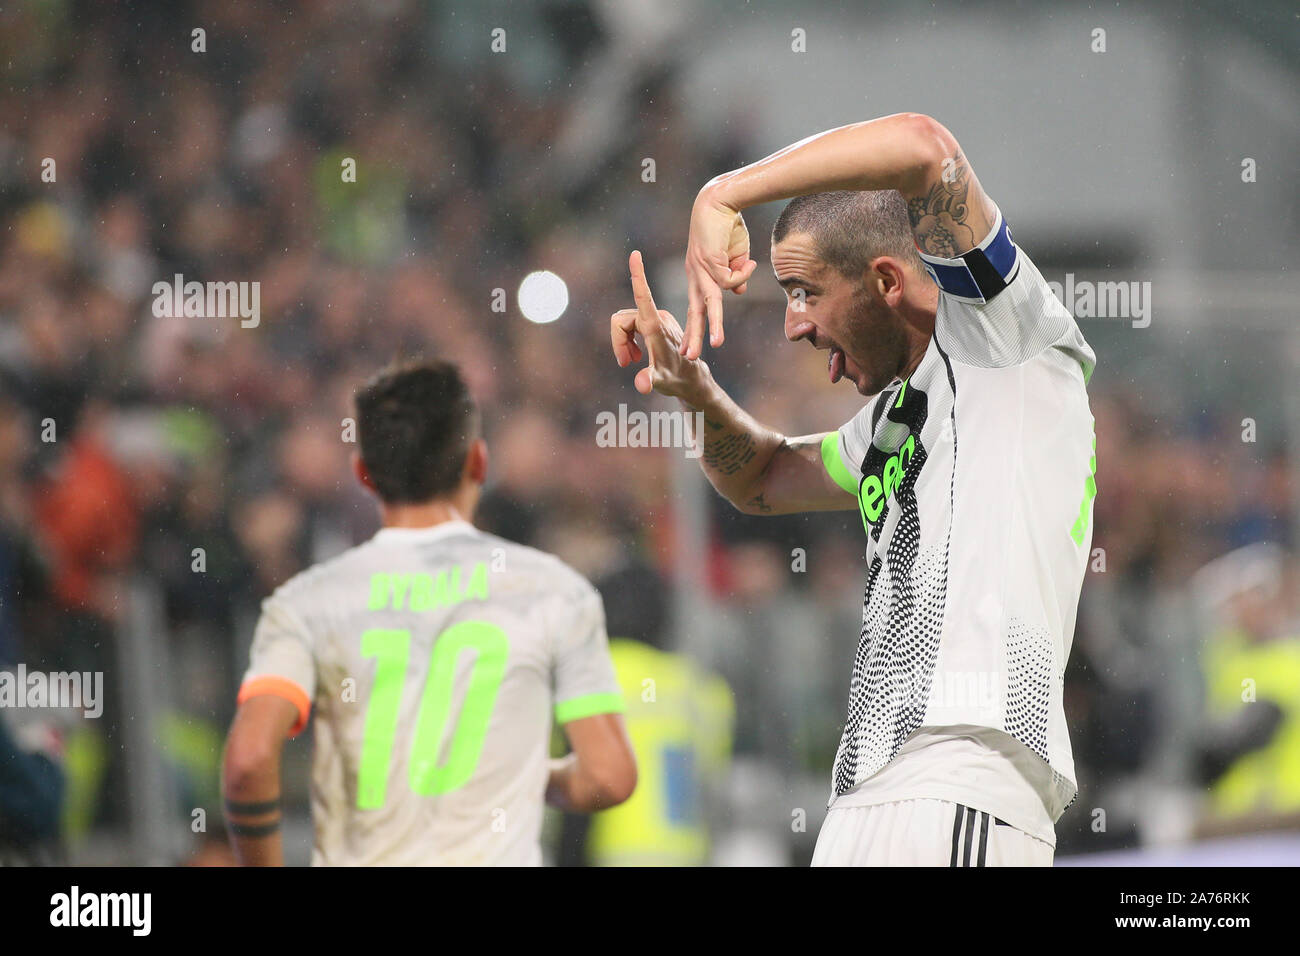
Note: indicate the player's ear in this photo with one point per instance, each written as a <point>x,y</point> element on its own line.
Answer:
<point>890,279</point>
<point>363,475</point>
<point>476,462</point>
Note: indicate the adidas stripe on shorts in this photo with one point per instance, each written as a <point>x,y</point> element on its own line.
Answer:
<point>924,832</point>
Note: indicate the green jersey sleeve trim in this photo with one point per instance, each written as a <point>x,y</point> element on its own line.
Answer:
<point>834,466</point>
<point>589,706</point>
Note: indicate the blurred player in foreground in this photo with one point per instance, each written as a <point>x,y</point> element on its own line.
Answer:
<point>972,469</point>
<point>434,655</point>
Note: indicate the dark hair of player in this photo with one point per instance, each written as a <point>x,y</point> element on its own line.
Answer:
<point>415,423</point>
<point>850,229</point>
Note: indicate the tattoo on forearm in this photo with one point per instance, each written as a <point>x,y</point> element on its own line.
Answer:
<point>239,809</point>
<point>759,503</point>
<point>255,831</point>
<point>728,454</point>
<point>254,819</point>
<point>939,217</point>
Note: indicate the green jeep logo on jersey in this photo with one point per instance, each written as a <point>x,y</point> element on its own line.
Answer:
<point>879,487</point>
<point>882,471</point>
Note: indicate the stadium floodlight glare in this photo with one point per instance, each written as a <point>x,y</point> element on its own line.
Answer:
<point>543,297</point>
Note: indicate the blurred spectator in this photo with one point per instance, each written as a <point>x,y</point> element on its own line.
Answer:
<point>31,792</point>
<point>1251,756</point>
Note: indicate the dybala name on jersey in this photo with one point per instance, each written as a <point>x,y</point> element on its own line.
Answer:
<point>426,592</point>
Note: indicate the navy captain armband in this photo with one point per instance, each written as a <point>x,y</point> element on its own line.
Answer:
<point>980,273</point>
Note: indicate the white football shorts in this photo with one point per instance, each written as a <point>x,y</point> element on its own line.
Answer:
<point>924,832</point>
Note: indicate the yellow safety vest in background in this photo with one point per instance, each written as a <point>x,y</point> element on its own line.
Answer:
<point>1267,779</point>
<point>679,718</point>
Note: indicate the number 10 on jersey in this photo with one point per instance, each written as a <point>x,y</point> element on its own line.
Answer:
<point>392,651</point>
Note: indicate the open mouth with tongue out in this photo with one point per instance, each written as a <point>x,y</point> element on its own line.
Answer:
<point>835,364</point>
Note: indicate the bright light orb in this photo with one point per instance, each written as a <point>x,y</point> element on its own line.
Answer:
<point>543,297</point>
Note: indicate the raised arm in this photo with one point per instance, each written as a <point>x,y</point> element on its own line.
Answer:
<point>757,469</point>
<point>949,211</point>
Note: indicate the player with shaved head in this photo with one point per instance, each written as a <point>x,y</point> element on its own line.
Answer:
<point>971,466</point>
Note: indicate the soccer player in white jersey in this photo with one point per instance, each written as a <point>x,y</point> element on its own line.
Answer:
<point>972,469</point>
<point>433,656</point>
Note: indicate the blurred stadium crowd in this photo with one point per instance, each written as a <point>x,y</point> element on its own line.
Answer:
<point>129,440</point>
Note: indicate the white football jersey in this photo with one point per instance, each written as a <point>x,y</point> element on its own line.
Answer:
<point>434,659</point>
<point>975,481</point>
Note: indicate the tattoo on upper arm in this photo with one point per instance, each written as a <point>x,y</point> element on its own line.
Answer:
<point>939,218</point>
<point>759,503</point>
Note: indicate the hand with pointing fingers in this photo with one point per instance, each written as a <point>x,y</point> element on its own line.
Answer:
<point>668,371</point>
<point>717,258</point>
